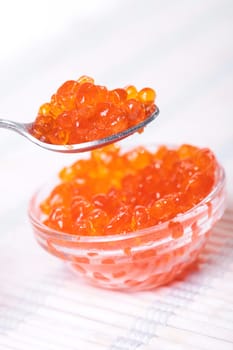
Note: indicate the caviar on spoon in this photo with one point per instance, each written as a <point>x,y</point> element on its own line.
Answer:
<point>82,116</point>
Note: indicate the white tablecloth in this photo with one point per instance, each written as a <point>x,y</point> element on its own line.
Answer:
<point>184,50</point>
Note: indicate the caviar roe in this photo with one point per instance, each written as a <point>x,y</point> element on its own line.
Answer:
<point>114,192</point>
<point>81,111</point>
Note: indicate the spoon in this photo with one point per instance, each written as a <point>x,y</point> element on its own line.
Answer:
<point>24,130</point>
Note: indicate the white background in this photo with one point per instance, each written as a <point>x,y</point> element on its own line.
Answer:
<point>181,48</point>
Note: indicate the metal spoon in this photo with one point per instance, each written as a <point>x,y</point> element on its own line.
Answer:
<point>24,130</point>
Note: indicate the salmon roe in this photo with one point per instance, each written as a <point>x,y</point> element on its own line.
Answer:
<point>114,192</point>
<point>81,111</point>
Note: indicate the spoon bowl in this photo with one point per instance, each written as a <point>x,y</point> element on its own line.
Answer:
<point>24,130</point>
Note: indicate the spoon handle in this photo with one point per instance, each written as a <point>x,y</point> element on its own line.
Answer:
<point>11,125</point>
<point>8,124</point>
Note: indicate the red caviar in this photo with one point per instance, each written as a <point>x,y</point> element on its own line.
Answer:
<point>81,111</point>
<point>112,192</point>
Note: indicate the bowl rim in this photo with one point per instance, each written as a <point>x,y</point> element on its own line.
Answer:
<point>52,233</point>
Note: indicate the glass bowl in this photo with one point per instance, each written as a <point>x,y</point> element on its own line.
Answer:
<point>139,260</point>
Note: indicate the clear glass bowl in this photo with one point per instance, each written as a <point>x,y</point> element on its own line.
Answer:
<point>139,260</point>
